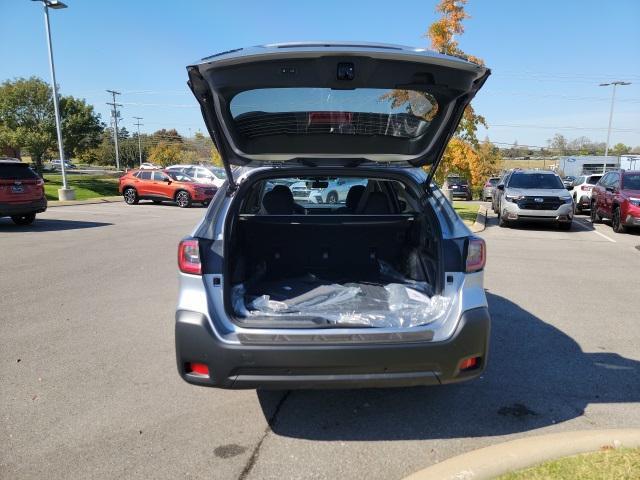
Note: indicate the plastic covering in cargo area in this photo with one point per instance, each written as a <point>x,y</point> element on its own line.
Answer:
<point>389,301</point>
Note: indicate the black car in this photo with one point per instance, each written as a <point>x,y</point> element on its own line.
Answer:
<point>459,188</point>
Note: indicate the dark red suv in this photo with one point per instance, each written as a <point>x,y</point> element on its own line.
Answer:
<point>21,192</point>
<point>617,196</point>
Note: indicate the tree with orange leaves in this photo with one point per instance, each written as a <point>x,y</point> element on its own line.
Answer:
<point>464,154</point>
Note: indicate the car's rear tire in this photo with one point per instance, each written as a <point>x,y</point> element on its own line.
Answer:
<point>502,222</point>
<point>595,218</point>
<point>26,219</point>
<point>130,196</point>
<point>616,221</point>
<point>332,197</point>
<point>183,199</point>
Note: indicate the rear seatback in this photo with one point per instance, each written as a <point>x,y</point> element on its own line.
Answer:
<point>292,245</point>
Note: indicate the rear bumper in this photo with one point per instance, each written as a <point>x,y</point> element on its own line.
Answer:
<point>460,193</point>
<point>329,366</point>
<point>36,206</point>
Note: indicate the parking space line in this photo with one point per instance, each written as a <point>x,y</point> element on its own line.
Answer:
<point>579,223</point>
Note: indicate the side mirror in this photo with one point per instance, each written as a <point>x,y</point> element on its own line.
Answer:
<point>168,180</point>
<point>569,187</point>
<point>500,187</point>
<point>609,189</point>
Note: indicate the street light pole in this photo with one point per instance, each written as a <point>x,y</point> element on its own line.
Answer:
<point>613,97</point>
<point>64,193</point>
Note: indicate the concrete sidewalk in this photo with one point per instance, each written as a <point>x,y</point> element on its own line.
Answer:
<point>490,462</point>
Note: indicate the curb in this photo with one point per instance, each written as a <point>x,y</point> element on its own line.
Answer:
<point>481,220</point>
<point>90,201</point>
<point>490,462</point>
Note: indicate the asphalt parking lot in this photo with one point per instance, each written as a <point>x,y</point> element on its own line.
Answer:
<point>89,386</point>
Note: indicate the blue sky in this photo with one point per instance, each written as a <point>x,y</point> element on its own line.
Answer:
<point>547,56</point>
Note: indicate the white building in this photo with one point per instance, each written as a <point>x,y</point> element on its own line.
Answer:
<point>630,162</point>
<point>576,165</point>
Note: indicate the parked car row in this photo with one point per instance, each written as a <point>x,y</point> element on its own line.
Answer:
<point>542,195</point>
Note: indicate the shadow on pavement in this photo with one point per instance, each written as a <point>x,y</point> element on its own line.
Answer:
<point>46,225</point>
<point>536,376</point>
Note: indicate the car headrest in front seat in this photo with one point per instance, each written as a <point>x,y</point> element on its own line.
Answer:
<point>279,201</point>
<point>354,196</point>
<point>376,204</point>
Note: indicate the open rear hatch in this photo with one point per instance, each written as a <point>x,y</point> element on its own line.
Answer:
<point>333,104</point>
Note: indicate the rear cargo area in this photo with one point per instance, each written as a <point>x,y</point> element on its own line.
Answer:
<point>335,269</point>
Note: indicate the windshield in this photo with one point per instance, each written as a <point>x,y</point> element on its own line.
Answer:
<point>494,181</point>
<point>535,180</point>
<point>360,111</point>
<point>593,179</point>
<point>631,181</point>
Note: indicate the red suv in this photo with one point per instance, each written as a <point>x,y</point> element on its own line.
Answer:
<point>21,192</point>
<point>158,185</point>
<point>617,196</point>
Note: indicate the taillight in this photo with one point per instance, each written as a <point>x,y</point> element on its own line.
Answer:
<point>586,188</point>
<point>476,255</point>
<point>40,182</point>
<point>189,257</point>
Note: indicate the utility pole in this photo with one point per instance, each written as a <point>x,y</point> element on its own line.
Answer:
<point>114,112</point>
<point>139,145</point>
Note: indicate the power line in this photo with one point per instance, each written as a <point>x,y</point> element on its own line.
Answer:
<point>115,122</point>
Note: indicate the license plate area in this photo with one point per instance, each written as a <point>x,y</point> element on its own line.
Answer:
<point>17,189</point>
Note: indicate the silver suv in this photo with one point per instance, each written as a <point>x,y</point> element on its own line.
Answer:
<point>383,290</point>
<point>534,195</point>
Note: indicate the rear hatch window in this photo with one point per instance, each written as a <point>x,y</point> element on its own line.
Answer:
<point>312,111</point>
<point>16,171</point>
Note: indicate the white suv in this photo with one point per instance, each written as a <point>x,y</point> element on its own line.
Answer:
<point>581,190</point>
<point>210,175</point>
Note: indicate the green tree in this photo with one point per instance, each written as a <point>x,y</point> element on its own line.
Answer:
<point>26,117</point>
<point>81,126</point>
<point>620,149</point>
<point>27,120</point>
<point>165,153</point>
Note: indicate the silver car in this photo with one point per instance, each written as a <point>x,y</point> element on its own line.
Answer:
<point>534,195</point>
<point>489,187</point>
<point>383,290</point>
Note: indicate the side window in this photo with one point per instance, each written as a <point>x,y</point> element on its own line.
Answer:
<point>190,172</point>
<point>144,175</point>
<point>615,181</point>
<point>603,181</point>
<point>204,173</point>
<point>159,176</point>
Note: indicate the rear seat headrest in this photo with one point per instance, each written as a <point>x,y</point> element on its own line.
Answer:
<point>278,201</point>
<point>376,204</point>
<point>354,196</point>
